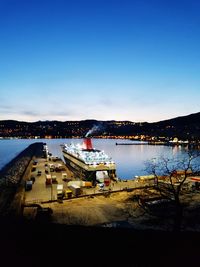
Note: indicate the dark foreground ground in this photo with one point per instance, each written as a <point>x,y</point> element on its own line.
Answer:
<point>34,244</point>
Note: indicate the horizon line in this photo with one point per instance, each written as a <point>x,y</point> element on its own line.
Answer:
<point>100,120</point>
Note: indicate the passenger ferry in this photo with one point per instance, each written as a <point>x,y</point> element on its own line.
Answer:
<point>88,163</point>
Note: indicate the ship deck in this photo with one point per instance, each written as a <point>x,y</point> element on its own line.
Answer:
<point>88,167</point>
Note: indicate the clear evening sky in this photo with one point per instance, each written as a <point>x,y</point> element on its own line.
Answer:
<point>133,60</point>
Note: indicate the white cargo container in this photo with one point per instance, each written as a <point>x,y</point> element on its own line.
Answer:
<point>78,183</point>
<point>59,187</point>
<point>76,190</point>
<point>60,191</point>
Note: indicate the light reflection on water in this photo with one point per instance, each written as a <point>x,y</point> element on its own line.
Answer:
<point>129,159</point>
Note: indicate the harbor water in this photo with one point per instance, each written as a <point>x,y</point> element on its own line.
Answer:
<point>130,159</point>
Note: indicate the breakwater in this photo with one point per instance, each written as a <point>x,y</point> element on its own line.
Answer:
<point>12,173</point>
<point>141,143</point>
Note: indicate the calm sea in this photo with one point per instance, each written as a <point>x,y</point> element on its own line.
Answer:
<point>129,159</point>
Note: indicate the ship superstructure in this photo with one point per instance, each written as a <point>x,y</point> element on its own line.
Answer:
<point>87,162</point>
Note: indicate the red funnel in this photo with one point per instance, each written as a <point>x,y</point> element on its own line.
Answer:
<point>87,143</point>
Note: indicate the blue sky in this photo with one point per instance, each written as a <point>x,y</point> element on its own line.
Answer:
<point>108,60</point>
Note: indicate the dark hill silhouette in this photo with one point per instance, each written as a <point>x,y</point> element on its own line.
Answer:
<point>184,127</point>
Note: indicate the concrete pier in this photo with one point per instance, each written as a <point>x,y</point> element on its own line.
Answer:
<point>12,174</point>
<point>41,192</point>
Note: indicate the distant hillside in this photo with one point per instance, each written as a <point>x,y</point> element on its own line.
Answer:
<point>185,127</point>
<point>192,119</point>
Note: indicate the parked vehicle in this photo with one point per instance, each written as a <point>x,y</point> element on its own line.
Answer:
<point>52,167</point>
<point>48,179</point>
<point>54,179</point>
<point>28,185</point>
<point>64,176</point>
<point>32,179</point>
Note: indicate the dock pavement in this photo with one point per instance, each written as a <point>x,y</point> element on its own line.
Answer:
<point>41,193</point>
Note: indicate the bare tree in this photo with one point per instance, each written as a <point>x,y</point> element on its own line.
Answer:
<point>170,175</point>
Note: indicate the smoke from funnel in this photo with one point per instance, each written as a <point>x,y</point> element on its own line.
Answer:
<point>91,131</point>
<point>94,129</point>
